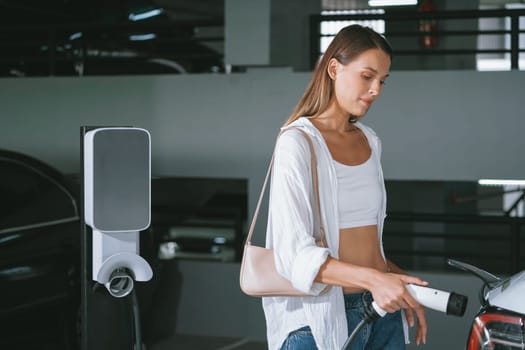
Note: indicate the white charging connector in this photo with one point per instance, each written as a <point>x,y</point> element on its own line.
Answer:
<point>447,302</point>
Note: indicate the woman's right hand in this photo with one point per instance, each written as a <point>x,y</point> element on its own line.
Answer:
<point>390,294</point>
<point>389,291</point>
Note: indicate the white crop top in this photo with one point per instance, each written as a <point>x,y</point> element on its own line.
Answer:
<point>359,193</point>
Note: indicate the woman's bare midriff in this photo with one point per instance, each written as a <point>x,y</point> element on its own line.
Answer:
<point>360,246</point>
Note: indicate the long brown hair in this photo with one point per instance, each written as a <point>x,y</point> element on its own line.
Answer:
<point>349,43</point>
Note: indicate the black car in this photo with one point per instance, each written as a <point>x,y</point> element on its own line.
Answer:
<point>39,255</point>
<point>86,38</point>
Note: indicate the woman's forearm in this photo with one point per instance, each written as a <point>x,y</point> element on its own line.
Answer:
<point>335,272</point>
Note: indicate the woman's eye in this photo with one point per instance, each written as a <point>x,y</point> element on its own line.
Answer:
<point>367,77</point>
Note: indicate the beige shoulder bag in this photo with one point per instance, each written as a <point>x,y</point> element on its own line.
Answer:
<point>258,275</point>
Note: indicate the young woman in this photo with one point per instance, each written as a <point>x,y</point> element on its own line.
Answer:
<point>346,82</point>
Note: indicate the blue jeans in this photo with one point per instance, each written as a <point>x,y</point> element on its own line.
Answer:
<point>381,334</point>
<point>300,339</point>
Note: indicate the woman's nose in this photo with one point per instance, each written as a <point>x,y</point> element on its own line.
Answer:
<point>375,89</point>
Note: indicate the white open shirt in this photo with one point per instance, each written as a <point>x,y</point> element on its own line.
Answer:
<point>289,234</point>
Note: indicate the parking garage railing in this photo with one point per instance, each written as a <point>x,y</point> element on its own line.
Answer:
<point>417,35</point>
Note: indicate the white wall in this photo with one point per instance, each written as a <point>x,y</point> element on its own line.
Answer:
<point>457,125</point>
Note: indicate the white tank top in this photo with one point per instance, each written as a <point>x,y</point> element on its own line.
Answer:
<point>359,193</point>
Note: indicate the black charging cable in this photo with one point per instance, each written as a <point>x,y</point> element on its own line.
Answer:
<point>136,321</point>
<point>369,315</point>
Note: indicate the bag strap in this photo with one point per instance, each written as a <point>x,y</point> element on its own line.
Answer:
<point>315,183</point>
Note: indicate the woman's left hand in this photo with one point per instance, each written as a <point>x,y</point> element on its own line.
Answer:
<point>421,332</point>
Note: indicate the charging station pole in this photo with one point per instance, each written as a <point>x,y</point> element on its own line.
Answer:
<point>115,207</point>
<point>86,284</point>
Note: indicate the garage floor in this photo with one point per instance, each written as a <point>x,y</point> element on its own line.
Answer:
<point>192,342</point>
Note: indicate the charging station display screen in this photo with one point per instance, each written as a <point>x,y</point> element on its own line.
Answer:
<point>121,180</point>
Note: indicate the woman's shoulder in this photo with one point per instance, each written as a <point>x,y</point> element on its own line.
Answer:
<point>301,122</point>
<point>293,138</point>
<point>299,127</point>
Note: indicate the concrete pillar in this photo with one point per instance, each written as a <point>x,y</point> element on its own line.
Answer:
<point>247,32</point>
<point>268,32</point>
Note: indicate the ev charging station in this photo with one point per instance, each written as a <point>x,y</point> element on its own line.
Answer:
<point>116,192</point>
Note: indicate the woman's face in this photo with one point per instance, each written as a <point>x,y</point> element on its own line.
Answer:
<point>360,82</point>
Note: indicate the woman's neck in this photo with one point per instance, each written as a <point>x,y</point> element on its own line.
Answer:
<point>333,120</point>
